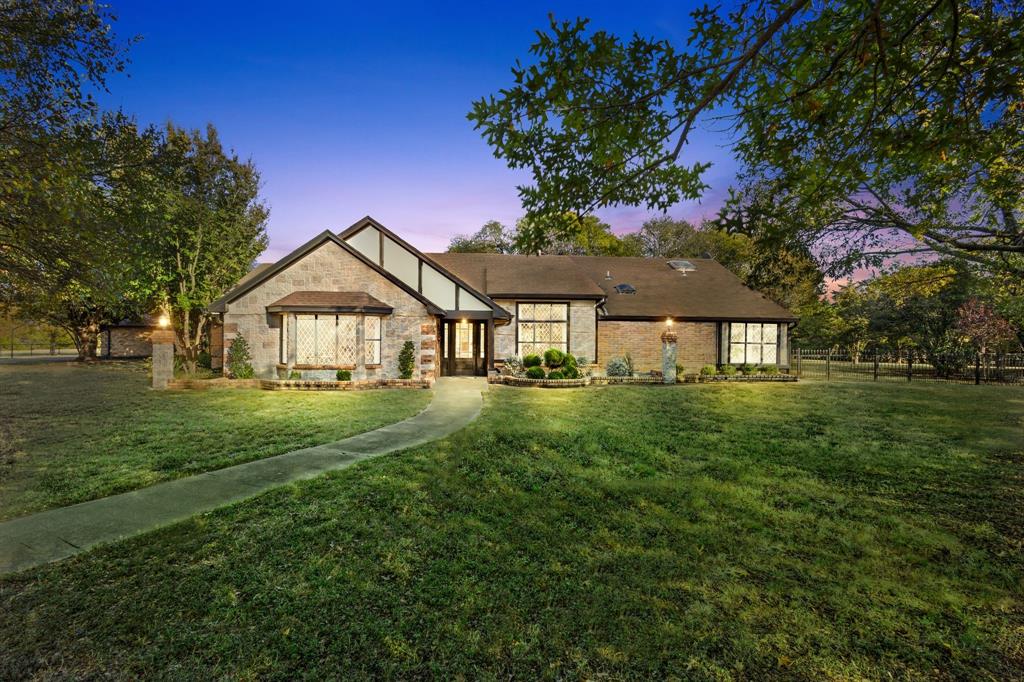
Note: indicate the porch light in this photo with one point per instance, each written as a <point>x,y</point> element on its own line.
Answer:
<point>464,320</point>
<point>164,321</point>
<point>668,321</point>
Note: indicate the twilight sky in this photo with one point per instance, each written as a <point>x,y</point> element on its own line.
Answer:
<point>351,109</point>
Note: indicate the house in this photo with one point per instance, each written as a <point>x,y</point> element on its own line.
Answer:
<point>352,300</point>
<point>127,339</point>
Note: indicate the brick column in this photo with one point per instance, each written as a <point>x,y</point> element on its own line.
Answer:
<point>427,352</point>
<point>668,356</point>
<point>163,357</point>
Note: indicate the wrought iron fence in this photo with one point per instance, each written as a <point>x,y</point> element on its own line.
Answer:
<point>886,364</point>
<point>17,350</point>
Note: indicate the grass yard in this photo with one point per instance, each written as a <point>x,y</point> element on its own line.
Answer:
<point>70,433</point>
<point>723,531</point>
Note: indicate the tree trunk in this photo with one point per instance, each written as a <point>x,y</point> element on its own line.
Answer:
<point>87,338</point>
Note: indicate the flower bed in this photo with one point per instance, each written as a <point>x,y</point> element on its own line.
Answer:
<point>611,381</point>
<point>217,382</point>
<point>355,385</point>
<point>539,383</point>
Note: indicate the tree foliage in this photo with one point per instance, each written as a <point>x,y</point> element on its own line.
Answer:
<point>877,128</point>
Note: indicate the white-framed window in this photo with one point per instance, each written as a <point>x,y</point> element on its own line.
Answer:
<point>326,339</point>
<point>540,326</point>
<point>371,339</point>
<point>753,343</point>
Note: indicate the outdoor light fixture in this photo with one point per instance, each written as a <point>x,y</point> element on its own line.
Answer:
<point>164,321</point>
<point>668,322</point>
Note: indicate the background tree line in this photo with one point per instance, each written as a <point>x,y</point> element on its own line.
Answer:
<point>102,219</point>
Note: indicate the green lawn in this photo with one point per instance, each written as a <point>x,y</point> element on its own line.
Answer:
<point>723,531</point>
<point>71,433</point>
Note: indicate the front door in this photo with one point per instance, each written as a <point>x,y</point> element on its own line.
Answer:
<point>463,349</point>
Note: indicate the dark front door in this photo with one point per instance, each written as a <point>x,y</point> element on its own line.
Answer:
<point>463,350</point>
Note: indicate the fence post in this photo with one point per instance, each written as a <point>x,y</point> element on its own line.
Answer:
<point>828,364</point>
<point>876,365</point>
<point>798,373</point>
<point>910,364</point>
<point>977,369</point>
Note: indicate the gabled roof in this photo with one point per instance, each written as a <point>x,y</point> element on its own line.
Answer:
<point>497,311</point>
<point>249,283</point>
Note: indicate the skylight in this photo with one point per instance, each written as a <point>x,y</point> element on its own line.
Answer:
<point>683,266</point>
<point>625,289</point>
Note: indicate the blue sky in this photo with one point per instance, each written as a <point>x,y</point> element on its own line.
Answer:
<point>352,109</point>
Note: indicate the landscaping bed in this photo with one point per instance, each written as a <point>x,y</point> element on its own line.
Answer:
<point>352,385</point>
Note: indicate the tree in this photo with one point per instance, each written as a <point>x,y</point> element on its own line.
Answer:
<point>982,327</point>
<point>493,237</point>
<point>206,231</point>
<point>886,127</point>
<point>592,237</point>
<point>51,52</point>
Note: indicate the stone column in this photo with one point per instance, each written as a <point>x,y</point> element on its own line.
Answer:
<point>163,357</point>
<point>668,356</point>
<point>292,331</point>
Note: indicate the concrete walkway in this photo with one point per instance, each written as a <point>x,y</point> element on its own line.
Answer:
<point>52,535</point>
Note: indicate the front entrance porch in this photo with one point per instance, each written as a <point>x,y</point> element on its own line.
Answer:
<point>466,347</point>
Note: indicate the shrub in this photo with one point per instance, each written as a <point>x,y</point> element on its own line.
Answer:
<point>727,370</point>
<point>535,372</point>
<point>748,369</point>
<point>240,359</point>
<point>680,370</point>
<point>556,374</point>
<point>770,370</point>
<point>343,375</point>
<point>531,360</point>
<point>554,358</point>
<point>513,366</point>
<point>406,360</point>
<point>582,360</point>
<point>571,372</point>
<point>628,359</point>
<point>619,367</point>
<point>203,360</point>
<point>708,371</point>
<point>294,376</point>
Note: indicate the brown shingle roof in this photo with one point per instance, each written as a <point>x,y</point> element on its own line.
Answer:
<point>709,292</point>
<point>499,275</point>
<point>330,301</point>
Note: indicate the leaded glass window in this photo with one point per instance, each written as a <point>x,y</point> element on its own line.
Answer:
<point>753,343</point>
<point>542,326</point>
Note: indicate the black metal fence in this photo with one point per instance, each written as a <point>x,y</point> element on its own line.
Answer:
<point>17,350</point>
<point>886,364</point>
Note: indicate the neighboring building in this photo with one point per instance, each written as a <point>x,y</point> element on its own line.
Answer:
<point>351,300</point>
<point>128,339</point>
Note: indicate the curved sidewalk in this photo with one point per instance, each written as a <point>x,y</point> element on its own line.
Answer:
<point>52,535</point>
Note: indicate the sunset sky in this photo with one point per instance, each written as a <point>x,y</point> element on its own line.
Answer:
<point>351,109</point>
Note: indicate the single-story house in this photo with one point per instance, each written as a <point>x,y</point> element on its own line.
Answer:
<point>127,339</point>
<point>351,300</point>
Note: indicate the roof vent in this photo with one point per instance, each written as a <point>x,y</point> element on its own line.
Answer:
<point>625,289</point>
<point>607,274</point>
<point>683,266</point>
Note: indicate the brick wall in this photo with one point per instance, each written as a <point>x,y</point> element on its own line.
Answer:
<point>127,342</point>
<point>331,268</point>
<point>642,340</point>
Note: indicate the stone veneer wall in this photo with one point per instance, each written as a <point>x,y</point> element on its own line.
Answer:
<point>331,268</point>
<point>582,330</point>
<point>127,342</point>
<point>642,340</point>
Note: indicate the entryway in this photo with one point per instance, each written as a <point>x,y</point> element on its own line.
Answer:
<point>464,348</point>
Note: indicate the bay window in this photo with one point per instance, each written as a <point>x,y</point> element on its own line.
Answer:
<point>540,326</point>
<point>326,339</point>
<point>753,343</point>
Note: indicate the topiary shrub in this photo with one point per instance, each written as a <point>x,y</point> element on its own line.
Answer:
<point>628,359</point>
<point>581,361</point>
<point>708,371</point>
<point>727,370</point>
<point>407,360</point>
<point>618,367</point>
<point>570,368</point>
<point>554,358</point>
<point>343,375</point>
<point>531,360</point>
<point>680,370</point>
<point>535,372</point>
<point>240,359</point>
<point>770,370</point>
<point>748,369</point>
<point>294,376</point>
<point>556,374</point>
